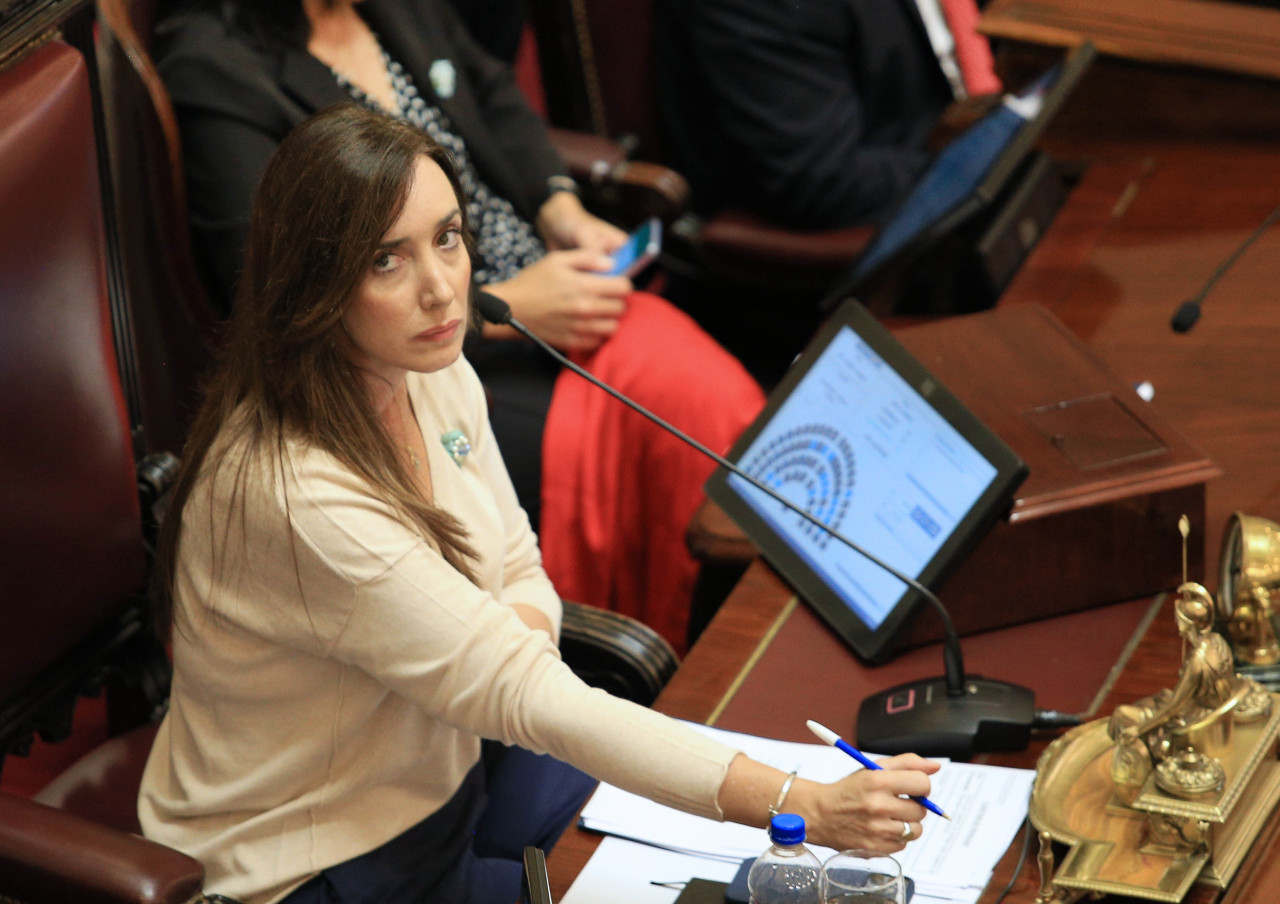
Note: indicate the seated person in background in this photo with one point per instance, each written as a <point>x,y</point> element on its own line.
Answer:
<point>355,609</point>
<point>815,115</point>
<point>243,73</point>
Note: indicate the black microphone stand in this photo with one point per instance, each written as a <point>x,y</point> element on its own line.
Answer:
<point>1189,311</point>
<point>954,716</point>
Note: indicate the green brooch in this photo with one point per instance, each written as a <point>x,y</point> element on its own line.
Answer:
<point>456,444</point>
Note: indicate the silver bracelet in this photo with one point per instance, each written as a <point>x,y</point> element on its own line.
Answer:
<point>776,808</point>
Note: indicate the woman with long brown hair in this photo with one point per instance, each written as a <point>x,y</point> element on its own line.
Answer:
<point>357,599</point>
<point>243,73</point>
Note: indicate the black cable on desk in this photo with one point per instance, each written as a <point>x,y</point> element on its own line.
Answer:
<point>1022,859</point>
<point>1053,720</point>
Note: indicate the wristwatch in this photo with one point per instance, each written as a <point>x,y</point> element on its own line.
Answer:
<point>559,183</point>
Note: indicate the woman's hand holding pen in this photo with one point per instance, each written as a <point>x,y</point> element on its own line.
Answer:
<point>867,809</point>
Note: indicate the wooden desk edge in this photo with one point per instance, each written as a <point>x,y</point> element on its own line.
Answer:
<point>1227,37</point>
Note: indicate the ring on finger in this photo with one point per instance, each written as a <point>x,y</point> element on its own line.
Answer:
<point>907,832</point>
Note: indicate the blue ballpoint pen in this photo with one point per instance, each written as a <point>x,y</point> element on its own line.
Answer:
<point>827,736</point>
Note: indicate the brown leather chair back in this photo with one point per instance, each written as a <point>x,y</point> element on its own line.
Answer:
<point>173,323</point>
<point>70,530</point>
<point>598,68</point>
<point>72,563</point>
<point>622,38</point>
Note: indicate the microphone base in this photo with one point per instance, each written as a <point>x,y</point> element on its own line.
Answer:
<point>919,717</point>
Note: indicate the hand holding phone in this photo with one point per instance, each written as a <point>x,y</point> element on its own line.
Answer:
<point>640,250</point>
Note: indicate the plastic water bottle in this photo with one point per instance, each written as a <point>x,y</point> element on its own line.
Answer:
<point>787,873</point>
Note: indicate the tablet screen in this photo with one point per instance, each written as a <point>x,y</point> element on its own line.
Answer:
<point>860,436</point>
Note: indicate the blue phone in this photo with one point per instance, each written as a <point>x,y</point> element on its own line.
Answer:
<point>641,248</point>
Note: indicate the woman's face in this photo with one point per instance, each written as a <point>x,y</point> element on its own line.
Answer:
<point>410,312</point>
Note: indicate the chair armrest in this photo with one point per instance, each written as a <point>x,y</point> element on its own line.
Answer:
<point>633,190</point>
<point>588,157</point>
<point>737,234</point>
<point>49,857</point>
<point>714,538</point>
<point>742,249</point>
<point>616,652</point>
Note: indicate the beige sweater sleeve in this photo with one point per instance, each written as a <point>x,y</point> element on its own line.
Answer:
<point>385,601</point>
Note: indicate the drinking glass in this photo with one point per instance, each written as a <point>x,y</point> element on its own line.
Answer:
<point>862,877</point>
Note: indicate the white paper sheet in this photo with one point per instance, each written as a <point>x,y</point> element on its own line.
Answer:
<point>617,812</point>
<point>987,804</point>
<point>951,861</point>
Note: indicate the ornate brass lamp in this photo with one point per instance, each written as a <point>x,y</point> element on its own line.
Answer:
<point>1249,581</point>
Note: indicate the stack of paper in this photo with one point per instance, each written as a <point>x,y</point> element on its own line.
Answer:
<point>952,861</point>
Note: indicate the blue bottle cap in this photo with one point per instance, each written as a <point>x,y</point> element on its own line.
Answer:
<point>786,828</point>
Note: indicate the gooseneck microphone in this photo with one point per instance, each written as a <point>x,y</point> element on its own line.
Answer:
<point>1189,311</point>
<point>953,716</point>
<point>496,311</point>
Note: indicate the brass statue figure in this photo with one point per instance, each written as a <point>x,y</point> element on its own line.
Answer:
<point>1180,733</point>
<point>1174,788</point>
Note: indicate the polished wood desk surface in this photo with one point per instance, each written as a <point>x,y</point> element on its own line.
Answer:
<point>1211,34</point>
<point>1140,234</point>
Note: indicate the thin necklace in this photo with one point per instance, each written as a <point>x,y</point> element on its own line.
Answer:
<point>409,426</point>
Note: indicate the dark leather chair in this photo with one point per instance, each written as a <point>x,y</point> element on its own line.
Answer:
<point>71,529</point>
<point>72,561</point>
<point>615,652</point>
<point>174,325</point>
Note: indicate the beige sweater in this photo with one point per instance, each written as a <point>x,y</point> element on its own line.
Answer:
<point>333,675</point>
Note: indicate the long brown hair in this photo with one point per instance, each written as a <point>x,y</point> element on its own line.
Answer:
<point>334,187</point>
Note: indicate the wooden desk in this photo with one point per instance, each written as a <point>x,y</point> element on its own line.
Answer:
<point>1169,71</point>
<point>1138,236</point>
<point>1211,34</point>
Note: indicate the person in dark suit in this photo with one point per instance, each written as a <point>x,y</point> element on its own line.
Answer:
<point>814,114</point>
<point>243,74</point>
<point>497,25</point>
